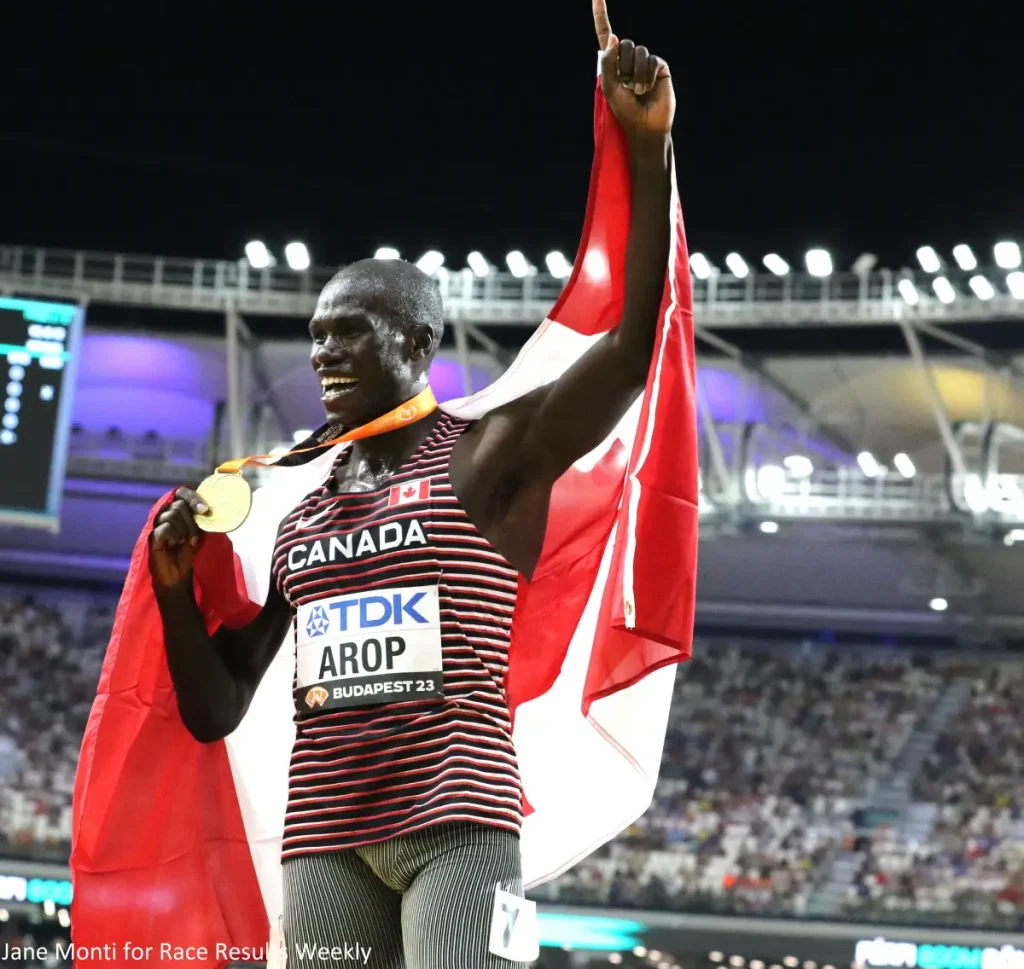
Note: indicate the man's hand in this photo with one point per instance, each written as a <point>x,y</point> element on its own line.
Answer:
<point>175,539</point>
<point>636,84</point>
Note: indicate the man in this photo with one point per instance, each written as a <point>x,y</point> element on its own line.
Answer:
<point>403,812</point>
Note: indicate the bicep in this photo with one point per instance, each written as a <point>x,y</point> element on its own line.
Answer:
<point>579,410</point>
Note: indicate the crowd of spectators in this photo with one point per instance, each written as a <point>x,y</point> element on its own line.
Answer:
<point>50,657</point>
<point>969,867</point>
<point>770,753</point>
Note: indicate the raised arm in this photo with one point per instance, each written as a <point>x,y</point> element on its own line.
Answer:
<point>541,436</point>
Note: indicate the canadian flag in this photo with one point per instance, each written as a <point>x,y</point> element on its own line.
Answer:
<point>409,492</point>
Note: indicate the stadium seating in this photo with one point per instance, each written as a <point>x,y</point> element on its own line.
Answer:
<point>771,752</point>
<point>969,869</point>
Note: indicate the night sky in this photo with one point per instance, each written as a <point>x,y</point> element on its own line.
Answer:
<point>860,127</point>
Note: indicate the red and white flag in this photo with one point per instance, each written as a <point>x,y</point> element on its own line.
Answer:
<point>177,843</point>
<point>409,492</point>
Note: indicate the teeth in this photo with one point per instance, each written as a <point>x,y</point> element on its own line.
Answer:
<point>335,381</point>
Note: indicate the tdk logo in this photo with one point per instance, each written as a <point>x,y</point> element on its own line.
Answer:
<point>318,622</point>
<point>369,612</point>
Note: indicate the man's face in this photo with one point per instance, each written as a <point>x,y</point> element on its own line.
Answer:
<point>366,360</point>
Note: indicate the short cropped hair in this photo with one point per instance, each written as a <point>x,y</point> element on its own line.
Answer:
<point>402,289</point>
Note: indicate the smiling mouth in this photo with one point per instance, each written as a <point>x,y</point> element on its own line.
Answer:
<point>335,387</point>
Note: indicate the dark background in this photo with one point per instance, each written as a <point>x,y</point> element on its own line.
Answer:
<point>186,130</point>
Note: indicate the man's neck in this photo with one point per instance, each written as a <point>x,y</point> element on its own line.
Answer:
<point>388,451</point>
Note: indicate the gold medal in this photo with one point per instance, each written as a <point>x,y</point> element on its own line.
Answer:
<point>229,498</point>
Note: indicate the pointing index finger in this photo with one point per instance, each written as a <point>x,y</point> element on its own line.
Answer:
<point>601,23</point>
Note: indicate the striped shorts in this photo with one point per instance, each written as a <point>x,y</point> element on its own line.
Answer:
<point>422,900</point>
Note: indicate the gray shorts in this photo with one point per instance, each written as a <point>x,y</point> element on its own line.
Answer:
<point>418,901</point>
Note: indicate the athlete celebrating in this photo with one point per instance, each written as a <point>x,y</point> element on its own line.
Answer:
<point>399,575</point>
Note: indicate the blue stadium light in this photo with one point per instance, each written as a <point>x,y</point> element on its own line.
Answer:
<point>774,263</point>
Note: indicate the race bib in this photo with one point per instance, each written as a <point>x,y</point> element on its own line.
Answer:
<point>368,648</point>
<point>514,933</point>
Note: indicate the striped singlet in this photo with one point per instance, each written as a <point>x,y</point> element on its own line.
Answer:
<point>364,774</point>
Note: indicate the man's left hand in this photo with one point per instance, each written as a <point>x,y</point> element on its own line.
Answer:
<point>636,84</point>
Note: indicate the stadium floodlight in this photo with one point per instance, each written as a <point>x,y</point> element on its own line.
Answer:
<point>943,289</point>
<point>737,961</point>
<point>771,481</point>
<point>981,287</point>
<point>938,604</point>
<point>615,958</point>
<point>904,465</point>
<point>768,528</point>
<point>774,263</point>
<point>478,264</point>
<point>558,265</point>
<point>868,464</point>
<point>257,254</point>
<point>517,264</point>
<point>798,466</point>
<point>386,252</point>
<point>1015,284</point>
<point>864,263</point>
<point>737,265</point>
<point>699,265</point>
<point>1007,255</point>
<point>639,951</point>
<point>929,259</point>
<point>818,262</point>
<point>430,262</point>
<point>965,257</point>
<point>1013,535</point>
<point>715,956</point>
<point>909,292</point>
<point>297,256</point>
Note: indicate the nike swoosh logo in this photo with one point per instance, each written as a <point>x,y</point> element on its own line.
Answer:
<point>301,526</point>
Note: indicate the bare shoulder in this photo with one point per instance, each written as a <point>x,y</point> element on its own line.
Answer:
<point>503,499</point>
<point>485,469</point>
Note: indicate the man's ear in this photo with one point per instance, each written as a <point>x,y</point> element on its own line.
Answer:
<point>421,342</point>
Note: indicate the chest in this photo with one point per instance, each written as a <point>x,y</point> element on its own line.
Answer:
<point>352,542</point>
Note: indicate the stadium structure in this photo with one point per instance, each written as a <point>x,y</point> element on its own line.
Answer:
<point>862,480</point>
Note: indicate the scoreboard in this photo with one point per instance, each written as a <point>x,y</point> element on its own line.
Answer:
<point>39,347</point>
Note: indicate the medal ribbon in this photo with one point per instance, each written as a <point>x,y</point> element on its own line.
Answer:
<point>412,410</point>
